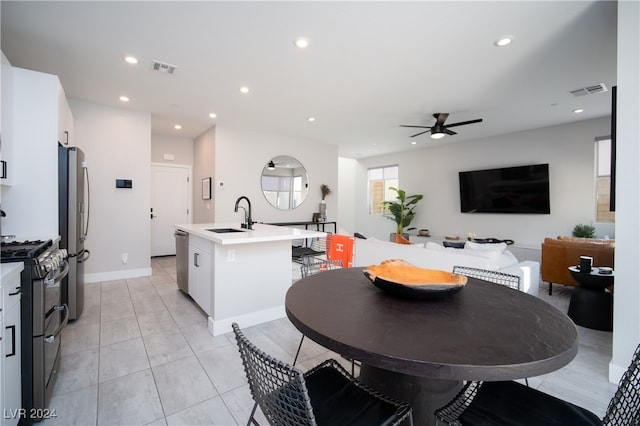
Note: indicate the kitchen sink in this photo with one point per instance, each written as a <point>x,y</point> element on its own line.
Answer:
<point>225,230</point>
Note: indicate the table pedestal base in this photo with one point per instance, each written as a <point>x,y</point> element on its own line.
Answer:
<point>591,308</point>
<point>425,395</point>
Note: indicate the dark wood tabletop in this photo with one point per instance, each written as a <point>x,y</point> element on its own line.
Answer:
<point>484,332</point>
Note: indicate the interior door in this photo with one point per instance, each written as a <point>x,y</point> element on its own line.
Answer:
<point>170,205</point>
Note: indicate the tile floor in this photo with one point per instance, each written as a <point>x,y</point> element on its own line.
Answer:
<point>141,354</point>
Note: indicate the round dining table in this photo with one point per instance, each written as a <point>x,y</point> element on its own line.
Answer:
<point>420,350</point>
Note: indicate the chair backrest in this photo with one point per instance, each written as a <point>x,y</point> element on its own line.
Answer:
<point>317,266</point>
<point>624,408</point>
<point>512,281</point>
<point>320,244</point>
<point>278,388</point>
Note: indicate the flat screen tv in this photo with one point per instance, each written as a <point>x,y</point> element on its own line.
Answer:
<point>521,189</point>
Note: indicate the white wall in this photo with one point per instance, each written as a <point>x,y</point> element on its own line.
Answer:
<point>203,167</point>
<point>117,145</point>
<point>347,172</point>
<point>180,148</point>
<point>240,157</point>
<point>626,316</point>
<point>569,150</point>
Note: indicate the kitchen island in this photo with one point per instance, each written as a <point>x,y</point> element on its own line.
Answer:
<point>240,275</point>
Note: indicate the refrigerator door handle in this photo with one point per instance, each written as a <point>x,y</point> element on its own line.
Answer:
<point>86,254</point>
<point>85,225</point>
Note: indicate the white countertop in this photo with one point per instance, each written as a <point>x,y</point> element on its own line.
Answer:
<point>260,233</point>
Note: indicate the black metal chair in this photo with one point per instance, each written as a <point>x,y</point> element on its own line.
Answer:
<point>301,253</point>
<point>325,395</point>
<point>509,280</point>
<point>512,281</point>
<point>307,269</point>
<point>319,265</point>
<point>511,403</point>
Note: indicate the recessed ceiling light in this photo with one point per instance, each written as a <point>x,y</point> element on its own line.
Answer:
<point>124,99</point>
<point>177,127</point>
<point>244,89</point>
<point>578,111</point>
<point>311,119</point>
<point>503,41</point>
<point>131,60</point>
<point>212,115</point>
<point>413,142</point>
<point>301,43</point>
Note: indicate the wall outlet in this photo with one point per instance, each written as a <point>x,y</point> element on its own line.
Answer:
<point>125,257</point>
<point>231,255</point>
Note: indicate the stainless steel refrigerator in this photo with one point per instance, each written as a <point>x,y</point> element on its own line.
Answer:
<point>73,193</point>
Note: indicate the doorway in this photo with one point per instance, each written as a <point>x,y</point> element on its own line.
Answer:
<point>170,205</point>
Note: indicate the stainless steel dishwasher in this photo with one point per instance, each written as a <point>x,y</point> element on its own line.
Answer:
<point>182,265</point>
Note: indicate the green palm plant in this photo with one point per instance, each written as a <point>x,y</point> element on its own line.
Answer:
<point>584,231</point>
<point>403,209</point>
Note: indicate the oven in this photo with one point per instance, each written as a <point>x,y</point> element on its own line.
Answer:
<point>43,318</point>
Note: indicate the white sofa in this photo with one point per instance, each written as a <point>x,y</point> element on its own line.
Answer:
<point>494,257</point>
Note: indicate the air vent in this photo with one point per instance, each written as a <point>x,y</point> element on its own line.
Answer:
<point>163,67</point>
<point>589,90</point>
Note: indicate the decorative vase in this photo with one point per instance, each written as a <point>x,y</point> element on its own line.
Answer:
<point>323,211</point>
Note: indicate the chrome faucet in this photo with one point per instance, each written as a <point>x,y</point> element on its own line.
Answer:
<point>247,213</point>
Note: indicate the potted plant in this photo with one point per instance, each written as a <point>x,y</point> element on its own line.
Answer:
<point>324,190</point>
<point>402,210</point>
<point>584,231</point>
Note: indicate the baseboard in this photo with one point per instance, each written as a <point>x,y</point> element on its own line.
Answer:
<point>616,372</point>
<point>222,326</point>
<point>117,275</point>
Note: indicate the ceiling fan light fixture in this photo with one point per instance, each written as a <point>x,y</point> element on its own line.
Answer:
<point>437,135</point>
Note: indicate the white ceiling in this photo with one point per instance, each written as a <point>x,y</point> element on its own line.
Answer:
<point>370,66</point>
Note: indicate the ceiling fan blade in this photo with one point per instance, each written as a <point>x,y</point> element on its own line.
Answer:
<point>449,132</point>
<point>420,127</point>
<point>440,117</point>
<point>462,123</point>
<point>421,133</point>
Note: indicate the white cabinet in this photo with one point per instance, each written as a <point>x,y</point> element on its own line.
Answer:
<point>6,123</point>
<point>65,119</point>
<point>39,109</point>
<point>10,362</point>
<point>200,272</point>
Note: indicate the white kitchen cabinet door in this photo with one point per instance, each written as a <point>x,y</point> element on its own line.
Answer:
<point>200,276</point>
<point>10,381</point>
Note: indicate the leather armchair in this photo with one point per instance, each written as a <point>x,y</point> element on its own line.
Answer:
<point>560,253</point>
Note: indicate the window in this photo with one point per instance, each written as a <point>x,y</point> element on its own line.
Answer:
<point>603,180</point>
<point>380,179</point>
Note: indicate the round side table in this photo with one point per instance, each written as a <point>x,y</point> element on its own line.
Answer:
<point>591,304</point>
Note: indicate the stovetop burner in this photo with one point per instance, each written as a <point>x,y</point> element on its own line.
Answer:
<point>17,251</point>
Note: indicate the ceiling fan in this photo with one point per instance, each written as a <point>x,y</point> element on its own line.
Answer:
<point>439,129</point>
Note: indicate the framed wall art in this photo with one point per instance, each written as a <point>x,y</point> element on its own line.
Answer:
<point>206,188</point>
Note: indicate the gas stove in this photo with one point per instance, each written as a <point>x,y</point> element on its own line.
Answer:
<point>18,251</point>
<point>43,316</point>
<point>42,255</point>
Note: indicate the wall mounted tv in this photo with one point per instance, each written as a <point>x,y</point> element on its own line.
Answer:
<point>521,189</point>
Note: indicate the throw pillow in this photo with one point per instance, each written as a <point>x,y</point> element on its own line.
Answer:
<point>506,259</point>
<point>499,247</point>
<point>456,245</point>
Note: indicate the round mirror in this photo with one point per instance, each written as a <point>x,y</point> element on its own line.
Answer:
<point>284,182</point>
